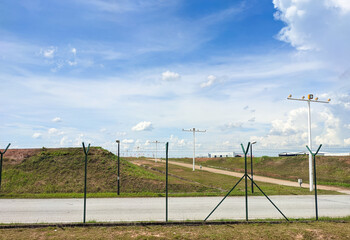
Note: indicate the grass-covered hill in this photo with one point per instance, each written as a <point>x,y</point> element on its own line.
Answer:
<point>46,173</point>
<point>60,173</point>
<point>330,170</point>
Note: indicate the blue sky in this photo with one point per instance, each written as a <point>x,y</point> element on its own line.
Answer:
<point>140,71</point>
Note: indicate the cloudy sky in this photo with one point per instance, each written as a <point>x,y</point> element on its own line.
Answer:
<point>142,70</point>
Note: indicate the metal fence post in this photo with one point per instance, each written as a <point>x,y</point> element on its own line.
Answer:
<point>86,152</point>
<point>118,177</point>
<point>245,179</point>
<point>166,183</point>
<point>314,162</point>
<point>2,153</point>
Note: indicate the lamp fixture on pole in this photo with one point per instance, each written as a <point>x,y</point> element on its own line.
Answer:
<point>310,98</point>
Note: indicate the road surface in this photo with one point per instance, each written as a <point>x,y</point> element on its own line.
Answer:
<point>181,208</point>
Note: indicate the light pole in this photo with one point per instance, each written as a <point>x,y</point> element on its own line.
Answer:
<point>194,142</point>
<point>118,177</point>
<point>309,100</point>
<point>138,152</point>
<point>156,142</point>
<point>251,162</point>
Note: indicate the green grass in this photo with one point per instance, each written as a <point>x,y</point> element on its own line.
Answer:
<point>59,173</point>
<point>221,184</point>
<point>330,170</point>
<point>295,230</point>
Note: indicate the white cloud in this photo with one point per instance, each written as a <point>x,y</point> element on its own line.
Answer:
<point>232,125</point>
<point>37,135</point>
<point>74,51</point>
<point>80,139</point>
<point>65,141</point>
<point>121,134</point>
<point>176,142</point>
<point>72,63</point>
<point>292,130</point>
<point>322,27</point>
<point>227,144</point>
<point>170,76</point>
<point>56,119</point>
<point>52,131</point>
<point>49,52</point>
<point>128,141</point>
<point>209,82</point>
<point>295,123</point>
<point>142,126</point>
<point>347,141</point>
<point>251,119</point>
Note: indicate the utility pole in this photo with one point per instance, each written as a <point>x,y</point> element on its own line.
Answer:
<point>309,100</point>
<point>118,176</point>
<point>251,163</point>
<point>138,152</point>
<point>156,142</point>
<point>194,142</point>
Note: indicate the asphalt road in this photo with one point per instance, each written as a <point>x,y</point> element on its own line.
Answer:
<point>153,209</point>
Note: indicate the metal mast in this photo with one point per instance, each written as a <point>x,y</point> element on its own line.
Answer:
<point>309,100</point>
<point>194,142</point>
<point>156,142</point>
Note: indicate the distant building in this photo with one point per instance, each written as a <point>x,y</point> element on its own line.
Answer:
<point>291,154</point>
<point>221,154</point>
<point>333,154</point>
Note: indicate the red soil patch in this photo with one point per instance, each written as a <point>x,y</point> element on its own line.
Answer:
<point>16,156</point>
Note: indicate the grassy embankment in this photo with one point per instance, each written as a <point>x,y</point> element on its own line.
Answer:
<point>330,170</point>
<point>296,230</point>
<point>59,173</point>
<point>224,183</point>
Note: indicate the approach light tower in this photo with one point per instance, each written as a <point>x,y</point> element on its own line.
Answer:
<point>156,142</point>
<point>194,142</point>
<point>309,100</point>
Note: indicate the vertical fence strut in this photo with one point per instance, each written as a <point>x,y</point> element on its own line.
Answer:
<point>251,165</point>
<point>118,177</point>
<point>245,176</point>
<point>166,183</point>
<point>86,152</point>
<point>245,179</point>
<point>2,153</point>
<point>314,161</point>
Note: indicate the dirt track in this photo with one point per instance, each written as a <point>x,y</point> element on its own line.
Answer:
<point>260,178</point>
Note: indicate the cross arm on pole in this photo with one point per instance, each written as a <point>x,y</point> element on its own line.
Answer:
<point>187,130</point>
<point>245,151</point>
<point>307,100</point>
<point>88,148</point>
<point>5,149</point>
<point>193,130</point>
<point>314,154</point>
